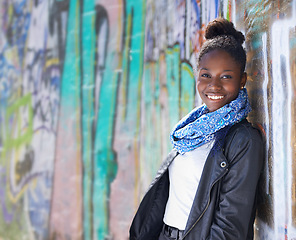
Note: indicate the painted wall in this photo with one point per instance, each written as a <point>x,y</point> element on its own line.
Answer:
<point>90,90</point>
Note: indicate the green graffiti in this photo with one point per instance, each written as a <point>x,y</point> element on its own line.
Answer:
<point>20,114</point>
<point>69,122</point>
<point>105,166</point>
<point>156,140</point>
<point>152,131</point>
<point>71,79</point>
<point>18,134</point>
<point>19,121</point>
<point>88,38</point>
<point>187,89</point>
<point>133,60</point>
<point>173,83</point>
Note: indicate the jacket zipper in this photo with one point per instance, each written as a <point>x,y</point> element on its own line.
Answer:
<point>208,203</point>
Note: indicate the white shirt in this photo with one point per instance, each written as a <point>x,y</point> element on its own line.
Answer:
<point>184,174</point>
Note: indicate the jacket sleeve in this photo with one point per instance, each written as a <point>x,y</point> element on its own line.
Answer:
<point>235,211</point>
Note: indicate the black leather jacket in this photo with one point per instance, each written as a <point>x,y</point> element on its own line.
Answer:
<point>225,203</point>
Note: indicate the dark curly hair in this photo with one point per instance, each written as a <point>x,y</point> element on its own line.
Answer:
<point>221,34</point>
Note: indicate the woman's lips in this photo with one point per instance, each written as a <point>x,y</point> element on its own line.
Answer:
<point>214,97</point>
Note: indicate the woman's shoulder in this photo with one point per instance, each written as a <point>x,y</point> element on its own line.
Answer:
<point>243,139</point>
<point>245,130</point>
<point>243,135</point>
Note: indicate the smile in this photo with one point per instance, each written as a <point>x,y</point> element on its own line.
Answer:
<point>215,97</point>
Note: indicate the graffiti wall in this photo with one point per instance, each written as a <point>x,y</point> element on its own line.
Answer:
<point>90,90</point>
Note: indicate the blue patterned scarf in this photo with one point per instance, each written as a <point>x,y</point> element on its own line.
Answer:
<point>198,127</point>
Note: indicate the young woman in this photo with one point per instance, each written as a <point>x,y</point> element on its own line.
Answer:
<point>206,188</point>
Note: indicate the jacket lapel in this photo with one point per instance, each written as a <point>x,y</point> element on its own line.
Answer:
<point>164,166</point>
<point>215,167</point>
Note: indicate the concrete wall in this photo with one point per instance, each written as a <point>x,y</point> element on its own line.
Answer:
<point>90,90</point>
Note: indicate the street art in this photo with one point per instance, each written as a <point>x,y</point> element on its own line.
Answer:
<point>90,90</point>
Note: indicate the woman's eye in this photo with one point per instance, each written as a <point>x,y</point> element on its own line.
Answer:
<point>205,75</point>
<point>226,76</point>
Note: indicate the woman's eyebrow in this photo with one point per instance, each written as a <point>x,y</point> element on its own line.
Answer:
<point>226,70</point>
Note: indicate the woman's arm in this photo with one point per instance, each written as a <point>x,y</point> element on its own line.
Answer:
<point>235,211</point>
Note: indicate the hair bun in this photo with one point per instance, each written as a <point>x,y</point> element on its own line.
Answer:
<point>221,26</point>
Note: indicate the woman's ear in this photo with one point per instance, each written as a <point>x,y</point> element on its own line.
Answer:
<point>243,80</point>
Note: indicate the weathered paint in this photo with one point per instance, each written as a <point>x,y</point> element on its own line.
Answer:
<point>90,90</point>
<point>88,44</point>
<point>66,200</point>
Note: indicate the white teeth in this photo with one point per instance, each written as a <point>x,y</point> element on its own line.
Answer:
<point>215,97</point>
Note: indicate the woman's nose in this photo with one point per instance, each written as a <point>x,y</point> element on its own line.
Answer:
<point>215,83</point>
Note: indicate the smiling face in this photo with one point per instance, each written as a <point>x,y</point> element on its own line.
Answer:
<point>219,79</point>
